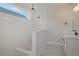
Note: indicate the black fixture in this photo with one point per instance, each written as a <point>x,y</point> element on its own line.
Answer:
<point>76,33</point>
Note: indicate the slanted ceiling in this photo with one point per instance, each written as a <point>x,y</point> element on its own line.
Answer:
<point>12,10</point>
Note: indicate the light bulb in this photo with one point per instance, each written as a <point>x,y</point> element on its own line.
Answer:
<point>76,9</point>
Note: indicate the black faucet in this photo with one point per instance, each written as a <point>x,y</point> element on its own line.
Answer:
<point>76,33</point>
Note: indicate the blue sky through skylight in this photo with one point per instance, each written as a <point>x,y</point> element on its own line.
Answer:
<point>10,9</point>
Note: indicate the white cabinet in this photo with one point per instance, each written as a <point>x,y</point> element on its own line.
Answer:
<point>72,46</point>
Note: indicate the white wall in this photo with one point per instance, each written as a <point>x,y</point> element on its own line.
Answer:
<point>41,23</point>
<point>15,32</point>
<point>57,15</point>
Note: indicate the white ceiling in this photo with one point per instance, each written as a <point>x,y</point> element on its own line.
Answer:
<point>42,5</point>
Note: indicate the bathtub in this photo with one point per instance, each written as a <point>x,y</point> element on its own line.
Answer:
<point>21,52</point>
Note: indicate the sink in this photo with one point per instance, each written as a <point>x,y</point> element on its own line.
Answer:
<point>72,36</point>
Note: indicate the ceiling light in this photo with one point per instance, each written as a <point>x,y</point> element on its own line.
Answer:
<point>77,4</point>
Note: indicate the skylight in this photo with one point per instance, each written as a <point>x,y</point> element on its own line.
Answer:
<point>10,9</point>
